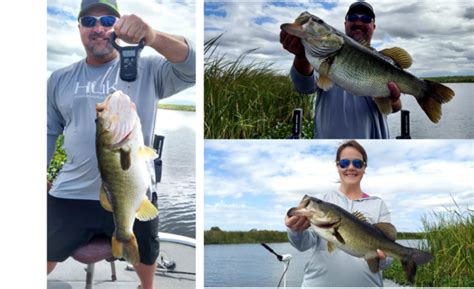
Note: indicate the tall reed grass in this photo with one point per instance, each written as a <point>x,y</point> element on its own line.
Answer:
<point>248,100</point>
<point>450,238</point>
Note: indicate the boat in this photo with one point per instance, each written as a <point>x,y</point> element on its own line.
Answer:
<point>176,269</point>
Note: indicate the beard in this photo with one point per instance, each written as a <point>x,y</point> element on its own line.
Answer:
<point>358,33</point>
<point>99,49</point>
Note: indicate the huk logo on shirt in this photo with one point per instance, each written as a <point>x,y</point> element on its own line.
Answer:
<point>92,88</point>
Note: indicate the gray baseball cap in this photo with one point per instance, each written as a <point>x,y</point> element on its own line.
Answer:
<point>361,6</point>
<point>109,4</point>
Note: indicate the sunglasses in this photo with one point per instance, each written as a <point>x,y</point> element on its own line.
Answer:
<point>344,163</point>
<point>364,18</point>
<point>91,21</point>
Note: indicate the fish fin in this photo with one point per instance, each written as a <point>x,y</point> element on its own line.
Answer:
<point>125,159</point>
<point>411,260</point>
<point>303,18</point>
<point>147,211</point>
<point>373,264</point>
<point>294,29</point>
<point>435,95</point>
<point>324,82</point>
<point>401,57</point>
<point>331,247</point>
<point>338,236</point>
<point>360,216</point>
<point>104,200</point>
<point>147,153</point>
<point>388,230</point>
<point>409,266</point>
<point>127,250</point>
<point>384,104</point>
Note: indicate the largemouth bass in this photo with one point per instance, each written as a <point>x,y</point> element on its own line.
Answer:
<point>122,158</point>
<point>355,236</point>
<point>362,71</point>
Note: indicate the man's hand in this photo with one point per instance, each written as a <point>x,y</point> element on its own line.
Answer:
<point>394,96</point>
<point>293,45</point>
<point>49,185</point>
<point>131,29</point>
<point>297,223</point>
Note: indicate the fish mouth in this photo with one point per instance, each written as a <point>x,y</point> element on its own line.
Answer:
<point>326,225</point>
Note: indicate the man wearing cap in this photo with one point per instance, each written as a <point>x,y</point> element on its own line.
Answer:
<point>338,113</point>
<point>74,212</point>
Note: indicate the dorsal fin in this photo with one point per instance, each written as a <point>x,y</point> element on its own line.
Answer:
<point>388,230</point>
<point>360,216</point>
<point>399,55</point>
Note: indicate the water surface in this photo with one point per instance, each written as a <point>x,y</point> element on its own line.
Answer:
<point>251,265</point>
<point>177,189</point>
<point>456,121</point>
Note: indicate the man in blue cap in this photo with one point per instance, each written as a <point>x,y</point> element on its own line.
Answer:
<point>338,113</point>
<point>74,212</point>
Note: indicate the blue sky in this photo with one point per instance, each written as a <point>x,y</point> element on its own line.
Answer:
<point>252,184</point>
<point>437,34</point>
<point>65,47</point>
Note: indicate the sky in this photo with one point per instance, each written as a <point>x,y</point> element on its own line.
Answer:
<point>437,34</point>
<point>252,184</point>
<point>65,47</point>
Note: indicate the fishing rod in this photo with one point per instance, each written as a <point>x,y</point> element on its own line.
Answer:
<point>282,258</point>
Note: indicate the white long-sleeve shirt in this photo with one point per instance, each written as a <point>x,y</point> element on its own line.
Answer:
<point>339,269</point>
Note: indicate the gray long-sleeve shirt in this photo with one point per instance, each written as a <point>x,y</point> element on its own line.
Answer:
<point>340,114</point>
<point>74,91</point>
<point>339,269</point>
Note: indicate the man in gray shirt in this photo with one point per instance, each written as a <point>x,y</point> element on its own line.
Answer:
<point>338,113</point>
<point>74,212</point>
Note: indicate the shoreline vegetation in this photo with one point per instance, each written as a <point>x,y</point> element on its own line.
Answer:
<point>180,107</point>
<point>216,236</point>
<point>448,235</point>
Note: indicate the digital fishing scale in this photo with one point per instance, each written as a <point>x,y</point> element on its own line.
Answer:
<point>129,56</point>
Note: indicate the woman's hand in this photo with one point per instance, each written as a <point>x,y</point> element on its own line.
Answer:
<point>297,223</point>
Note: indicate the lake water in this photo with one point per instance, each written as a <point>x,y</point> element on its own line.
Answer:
<point>251,265</point>
<point>456,121</point>
<point>177,189</point>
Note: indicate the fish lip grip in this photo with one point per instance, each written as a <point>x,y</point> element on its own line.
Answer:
<point>129,56</point>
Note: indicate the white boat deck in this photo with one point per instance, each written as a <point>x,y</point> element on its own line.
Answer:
<point>72,275</point>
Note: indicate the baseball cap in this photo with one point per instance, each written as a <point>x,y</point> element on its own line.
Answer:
<point>361,7</point>
<point>109,4</point>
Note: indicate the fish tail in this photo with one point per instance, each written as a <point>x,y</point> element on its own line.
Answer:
<point>434,95</point>
<point>126,249</point>
<point>411,260</point>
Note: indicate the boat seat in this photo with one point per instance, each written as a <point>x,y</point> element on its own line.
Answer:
<point>96,250</point>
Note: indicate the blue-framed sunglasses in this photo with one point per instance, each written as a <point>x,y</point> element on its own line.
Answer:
<point>364,18</point>
<point>344,163</point>
<point>91,21</point>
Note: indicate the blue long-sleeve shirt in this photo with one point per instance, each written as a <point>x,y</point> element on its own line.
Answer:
<point>339,269</point>
<point>340,114</point>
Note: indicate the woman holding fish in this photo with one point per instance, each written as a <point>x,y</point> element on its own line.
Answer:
<point>329,266</point>
<point>348,231</point>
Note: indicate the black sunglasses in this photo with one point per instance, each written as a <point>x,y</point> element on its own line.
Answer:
<point>344,163</point>
<point>364,18</point>
<point>91,21</point>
